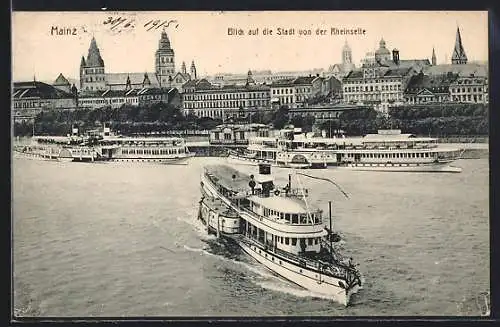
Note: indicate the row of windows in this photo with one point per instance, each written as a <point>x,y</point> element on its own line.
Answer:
<point>282,91</point>
<point>373,97</point>
<point>166,71</point>
<point>392,87</point>
<point>225,104</point>
<point>228,136</point>
<point>108,101</point>
<point>285,100</point>
<point>166,59</point>
<point>94,79</point>
<point>94,70</point>
<point>290,90</point>
<point>97,88</point>
<point>467,81</point>
<point>29,104</point>
<point>294,219</point>
<point>420,99</point>
<point>286,240</point>
<point>462,89</point>
<point>469,98</point>
<point>152,151</point>
<point>364,81</point>
<point>227,96</point>
<point>392,155</point>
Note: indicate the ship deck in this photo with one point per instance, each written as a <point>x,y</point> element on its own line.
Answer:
<point>224,176</point>
<point>217,205</point>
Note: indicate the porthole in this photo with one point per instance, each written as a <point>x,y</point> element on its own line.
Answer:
<point>280,262</point>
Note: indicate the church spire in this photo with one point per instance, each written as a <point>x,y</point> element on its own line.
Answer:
<point>193,70</point>
<point>433,58</point>
<point>250,80</point>
<point>164,43</point>
<point>458,56</point>
<point>94,58</point>
<point>183,68</point>
<point>128,85</point>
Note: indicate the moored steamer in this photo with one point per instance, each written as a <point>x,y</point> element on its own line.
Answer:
<point>278,228</point>
<point>169,150</point>
<point>107,147</point>
<point>388,150</point>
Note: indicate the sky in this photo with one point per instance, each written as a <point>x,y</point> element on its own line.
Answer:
<point>127,45</point>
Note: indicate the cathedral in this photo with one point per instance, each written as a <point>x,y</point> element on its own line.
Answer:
<point>94,78</point>
<point>341,70</point>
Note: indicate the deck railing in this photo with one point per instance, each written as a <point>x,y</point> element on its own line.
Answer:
<point>334,269</point>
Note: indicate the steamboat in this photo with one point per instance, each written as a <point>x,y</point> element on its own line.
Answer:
<point>105,146</point>
<point>388,150</point>
<point>278,228</point>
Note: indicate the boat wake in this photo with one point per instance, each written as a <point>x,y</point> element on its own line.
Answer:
<point>266,279</point>
<point>262,272</point>
<point>198,226</point>
<point>291,290</point>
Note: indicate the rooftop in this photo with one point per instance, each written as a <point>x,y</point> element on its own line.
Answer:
<point>135,78</point>
<point>434,83</point>
<point>462,70</point>
<point>38,90</point>
<point>281,203</point>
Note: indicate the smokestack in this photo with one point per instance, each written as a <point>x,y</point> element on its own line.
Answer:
<point>264,169</point>
<point>395,56</point>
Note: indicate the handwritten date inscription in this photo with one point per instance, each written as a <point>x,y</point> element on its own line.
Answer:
<point>120,23</point>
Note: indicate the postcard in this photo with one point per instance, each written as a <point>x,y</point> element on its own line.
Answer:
<point>215,164</point>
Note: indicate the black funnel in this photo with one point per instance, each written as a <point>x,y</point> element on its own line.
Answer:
<point>265,169</point>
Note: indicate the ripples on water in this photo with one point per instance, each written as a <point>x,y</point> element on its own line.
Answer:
<point>123,240</point>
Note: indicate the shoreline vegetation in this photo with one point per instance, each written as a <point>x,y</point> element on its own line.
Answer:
<point>451,123</point>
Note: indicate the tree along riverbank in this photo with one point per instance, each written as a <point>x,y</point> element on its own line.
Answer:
<point>450,122</point>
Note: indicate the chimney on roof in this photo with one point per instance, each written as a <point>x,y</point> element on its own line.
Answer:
<point>395,56</point>
<point>317,75</point>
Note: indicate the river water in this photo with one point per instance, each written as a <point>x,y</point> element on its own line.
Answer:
<point>122,240</point>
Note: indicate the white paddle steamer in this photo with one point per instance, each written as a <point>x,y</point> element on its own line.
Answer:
<point>278,228</point>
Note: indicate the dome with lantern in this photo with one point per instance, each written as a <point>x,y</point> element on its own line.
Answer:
<point>382,53</point>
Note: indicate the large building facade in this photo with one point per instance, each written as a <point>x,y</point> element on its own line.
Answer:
<point>203,99</point>
<point>381,81</point>
<point>384,81</point>
<point>460,81</point>
<point>300,91</point>
<point>30,98</point>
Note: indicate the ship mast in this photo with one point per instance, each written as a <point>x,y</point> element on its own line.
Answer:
<point>330,232</point>
<point>305,199</point>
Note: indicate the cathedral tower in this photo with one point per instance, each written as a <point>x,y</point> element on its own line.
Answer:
<point>346,54</point>
<point>92,76</point>
<point>433,58</point>
<point>458,57</point>
<point>164,60</point>
<point>193,70</point>
<point>183,68</point>
<point>250,80</point>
